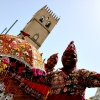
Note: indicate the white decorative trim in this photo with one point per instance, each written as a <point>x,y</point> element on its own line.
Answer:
<point>8,55</point>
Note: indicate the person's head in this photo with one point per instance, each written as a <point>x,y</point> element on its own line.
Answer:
<point>69,57</point>
<point>52,60</point>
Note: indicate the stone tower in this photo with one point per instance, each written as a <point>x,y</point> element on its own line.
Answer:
<point>97,95</point>
<point>40,26</point>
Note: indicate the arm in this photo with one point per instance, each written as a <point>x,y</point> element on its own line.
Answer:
<point>46,79</point>
<point>91,79</point>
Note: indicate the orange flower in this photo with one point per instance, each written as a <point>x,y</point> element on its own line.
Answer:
<point>5,51</point>
<point>17,49</point>
<point>6,44</point>
<point>2,65</point>
<point>28,59</point>
<point>1,36</point>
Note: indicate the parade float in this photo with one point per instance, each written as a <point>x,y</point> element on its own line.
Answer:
<point>20,65</point>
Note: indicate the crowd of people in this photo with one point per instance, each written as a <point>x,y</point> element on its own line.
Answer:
<point>69,82</point>
<point>65,83</point>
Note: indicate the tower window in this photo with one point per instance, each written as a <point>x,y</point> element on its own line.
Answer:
<point>48,24</point>
<point>41,19</point>
<point>36,36</point>
<point>47,18</point>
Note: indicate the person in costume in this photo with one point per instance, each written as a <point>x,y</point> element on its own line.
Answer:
<point>51,63</point>
<point>68,82</point>
<point>37,88</point>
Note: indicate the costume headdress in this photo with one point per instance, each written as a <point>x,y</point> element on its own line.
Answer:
<point>71,47</point>
<point>54,56</point>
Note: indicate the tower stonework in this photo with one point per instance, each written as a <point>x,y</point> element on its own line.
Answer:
<point>97,95</point>
<point>40,26</point>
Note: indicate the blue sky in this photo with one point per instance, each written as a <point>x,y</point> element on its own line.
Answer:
<point>79,21</point>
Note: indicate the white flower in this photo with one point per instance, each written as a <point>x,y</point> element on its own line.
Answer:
<point>1,47</point>
<point>14,42</point>
<point>35,57</point>
<point>17,54</point>
<point>22,58</point>
<point>26,53</point>
<point>9,46</point>
<point>1,41</point>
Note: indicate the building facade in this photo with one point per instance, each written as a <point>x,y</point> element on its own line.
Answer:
<point>97,95</point>
<point>40,26</point>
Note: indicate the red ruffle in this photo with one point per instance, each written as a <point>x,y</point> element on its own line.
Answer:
<point>38,87</point>
<point>20,70</point>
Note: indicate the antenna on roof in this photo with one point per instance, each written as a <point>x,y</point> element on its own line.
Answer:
<point>11,26</point>
<point>4,30</point>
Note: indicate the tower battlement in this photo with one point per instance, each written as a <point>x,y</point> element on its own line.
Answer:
<point>51,12</point>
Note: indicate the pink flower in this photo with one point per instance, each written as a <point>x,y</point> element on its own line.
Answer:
<point>39,73</point>
<point>34,74</point>
<point>41,80</point>
<point>33,69</point>
<point>5,60</point>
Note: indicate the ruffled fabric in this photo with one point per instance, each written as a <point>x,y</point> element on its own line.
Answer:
<point>38,87</point>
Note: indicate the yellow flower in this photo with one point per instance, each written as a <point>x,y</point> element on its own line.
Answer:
<point>5,50</point>
<point>1,69</point>
<point>2,36</point>
<point>39,59</point>
<point>2,65</point>
<point>17,49</point>
<point>22,46</point>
